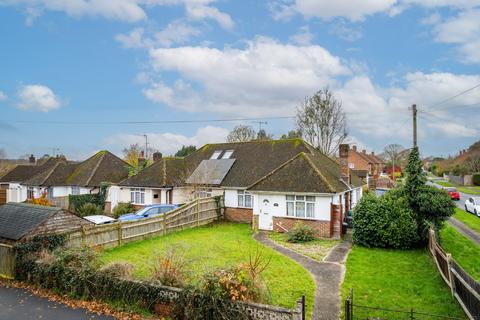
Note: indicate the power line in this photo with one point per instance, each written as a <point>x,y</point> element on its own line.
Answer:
<point>455,96</point>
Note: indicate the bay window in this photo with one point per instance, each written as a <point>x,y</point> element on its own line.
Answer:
<point>300,206</point>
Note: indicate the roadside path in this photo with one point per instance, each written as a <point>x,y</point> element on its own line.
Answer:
<point>328,276</point>
<point>20,304</point>
<point>464,229</point>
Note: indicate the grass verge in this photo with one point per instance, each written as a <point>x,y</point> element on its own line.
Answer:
<point>316,249</point>
<point>397,279</point>
<point>219,246</point>
<point>463,250</point>
<point>467,190</point>
<point>468,218</point>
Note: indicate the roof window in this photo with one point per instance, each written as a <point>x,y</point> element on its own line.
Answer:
<point>216,154</point>
<point>227,154</point>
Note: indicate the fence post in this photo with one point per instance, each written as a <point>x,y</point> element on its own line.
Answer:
<point>412,317</point>
<point>303,307</point>
<point>450,274</point>
<point>164,223</point>
<point>197,208</point>
<point>119,233</point>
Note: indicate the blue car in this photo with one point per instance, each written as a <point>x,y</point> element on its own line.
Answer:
<point>148,211</point>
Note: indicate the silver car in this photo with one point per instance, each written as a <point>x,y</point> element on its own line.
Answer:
<point>472,205</point>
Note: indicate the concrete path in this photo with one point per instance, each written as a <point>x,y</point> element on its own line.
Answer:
<point>20,304</point>
<point>328,276</point>
<point>464,229</point>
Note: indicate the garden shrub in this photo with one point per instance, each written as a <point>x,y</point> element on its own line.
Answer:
<point>77,201</point>
<point>172,267</point>
<point>122,270</point>
<point>385,222</point>
<point>476,179</point>
<point>123,208</point>
<point>301,233</point>
<point>89,209</point>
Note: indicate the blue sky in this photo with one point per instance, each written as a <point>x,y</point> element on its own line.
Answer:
<point>153,60</point>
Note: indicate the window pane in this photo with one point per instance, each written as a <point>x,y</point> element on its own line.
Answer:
<point>300,197</point>
<point>227,154</point>
<point>290,197</point>
<point>311,210</point>
<point>216,154</point>
<point>311,198</point>
<point>248,201</point>
<point>290,210</point>
<point>132,197</point>
<point>300,209</point>
<point>240,201</point>
<point>240,192</point>
<point>142,197</point>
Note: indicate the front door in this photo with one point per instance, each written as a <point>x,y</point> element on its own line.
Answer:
<point>265,221</point>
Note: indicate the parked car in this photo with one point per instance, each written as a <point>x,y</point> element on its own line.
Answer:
<point>100,219</point>
<point>472,205</point>
<point>453,192</point>
<point>148,211</point>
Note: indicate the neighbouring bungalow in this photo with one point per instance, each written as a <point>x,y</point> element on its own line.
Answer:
<point>21,221</point>
<point>271,184</point>
<point>365,164</point>
<point>11,183</point>
<point>86,177</point>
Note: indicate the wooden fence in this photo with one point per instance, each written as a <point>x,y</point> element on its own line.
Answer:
<point>196,213</point>
<point>463,286</point>
<point>7,261</point>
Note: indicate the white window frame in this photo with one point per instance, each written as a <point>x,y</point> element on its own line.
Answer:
<point>242,196</point>
<point>137,194</point>
<point>216,154</point>
<point>299,206</point>
<point>204,193</point>
<point>75,190</point>
<point>227,154</point>
<point>30,193</point>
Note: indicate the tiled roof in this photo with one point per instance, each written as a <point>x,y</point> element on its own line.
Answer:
<point>101,167</point>
<point>166,172</point>
<point>18,219</point>
<point>22,173</point>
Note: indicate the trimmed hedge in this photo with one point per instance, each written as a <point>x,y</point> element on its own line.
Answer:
<point>76,202</point>
<point>476,179</point>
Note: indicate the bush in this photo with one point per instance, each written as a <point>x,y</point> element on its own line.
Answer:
<point>301,233</point>
<point>123,208</point>
<point>89,209</point>
<point>385,222</point>
<point>172,268</point>
<point>476,179</point>
<point>122,270</point>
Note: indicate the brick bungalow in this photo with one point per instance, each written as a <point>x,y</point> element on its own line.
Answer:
<point>245,174</point>
<point>363,162</point>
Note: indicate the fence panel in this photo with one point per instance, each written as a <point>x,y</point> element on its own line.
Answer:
<point>7,261</point>
<point>196,213</point>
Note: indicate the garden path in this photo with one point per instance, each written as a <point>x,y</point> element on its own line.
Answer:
<point>328,275</point>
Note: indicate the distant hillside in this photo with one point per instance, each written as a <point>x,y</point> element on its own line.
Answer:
<point>461,163</point>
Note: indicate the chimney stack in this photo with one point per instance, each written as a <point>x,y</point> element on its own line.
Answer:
<point>31,159</point>
<point>373,153</point>
<point>364,151</point>
<point>344,169</point>
<point>354,148</point>
<point>157,156</point>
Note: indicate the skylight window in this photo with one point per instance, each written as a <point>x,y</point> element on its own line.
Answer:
<point>216,154</point>
<point>227,154</point>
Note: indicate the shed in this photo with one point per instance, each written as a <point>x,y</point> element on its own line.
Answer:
<point>20,221</point>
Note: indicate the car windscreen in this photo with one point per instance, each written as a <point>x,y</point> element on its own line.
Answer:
<point>451,190</point>
<point>141,212</point>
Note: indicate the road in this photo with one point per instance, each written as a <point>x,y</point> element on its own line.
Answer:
<point>21,304</point>
<point>463,196</point>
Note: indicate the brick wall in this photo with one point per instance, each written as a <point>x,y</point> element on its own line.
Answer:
<point>239,215</point>
<point>285,224</point>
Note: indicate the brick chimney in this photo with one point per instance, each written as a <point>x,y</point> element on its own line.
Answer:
<point>141,157</point>
<point>373,153</point>
<point>157,156</point>
<point>343,159</point>
<point>31,159</point>
<point>364,151</point>
<point>354,148</point>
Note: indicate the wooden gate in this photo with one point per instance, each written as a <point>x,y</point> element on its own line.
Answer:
<point>7,261</point>
<point>3,196</point>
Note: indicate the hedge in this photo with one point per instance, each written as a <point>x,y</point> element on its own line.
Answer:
<point>476,179</point>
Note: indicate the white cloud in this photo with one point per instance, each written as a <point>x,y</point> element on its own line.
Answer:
<point>3,96</point>
<point>169,143</point>
<point>263,76</point>
<point>462,30</point>
<point>133,39</point>
<point>38,97</point>
<point>303,36</point>
<point>200,11</point>
<point>348,33</point>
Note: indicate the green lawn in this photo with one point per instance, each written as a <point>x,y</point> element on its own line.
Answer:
<point>398,279</point>
<point>467,190</point>
<point>463,250</point>
<point>316,249</point>
<point>218,246</point>
<point>468,218</point>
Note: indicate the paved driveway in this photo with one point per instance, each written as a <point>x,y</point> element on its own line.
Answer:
<point>20,304</point>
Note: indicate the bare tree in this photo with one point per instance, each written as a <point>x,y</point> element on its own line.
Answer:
<point>241,133</point>
<point>322,122</point>
<point>473,163</point>
<point>395,154</point>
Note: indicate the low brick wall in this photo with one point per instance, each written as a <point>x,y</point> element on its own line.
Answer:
<point>285,224</point>
<point>243,215</point>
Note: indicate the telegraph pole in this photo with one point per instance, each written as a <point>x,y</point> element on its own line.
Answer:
<point>414,115</point>
<point>146,146</point>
